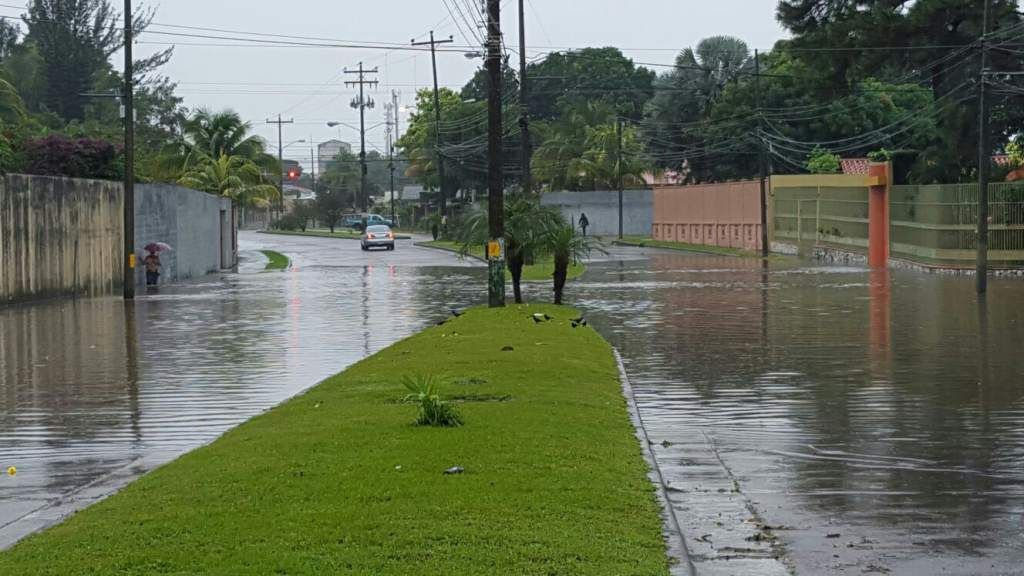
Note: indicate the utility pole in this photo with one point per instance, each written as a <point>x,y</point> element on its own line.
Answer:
<point>761,157</point>
<point>398,133</point>
<point>392,111</point>
<point>437,117</point>
<point>495,174</point>
<point>524,109</point>
<point>280,158</point>
<point>312,162</point>
<point>129,155</point>
<point>618,171</point>
<point>362,104</point>
<point>983,162</point>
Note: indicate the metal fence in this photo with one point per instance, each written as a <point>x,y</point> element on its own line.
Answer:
<point>933,225</point>
<point>815,216</point>
<point>938,224</point>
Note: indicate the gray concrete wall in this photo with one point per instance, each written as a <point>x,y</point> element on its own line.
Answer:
<point>63,237</point>
<point>602,210</point>
<point>189,221</point>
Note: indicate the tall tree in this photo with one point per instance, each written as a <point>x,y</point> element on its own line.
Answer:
<point>9,35</point>
<point>676,118</point>
<point>938,36</point>
<point>75,39</point>
<point>564,80</point>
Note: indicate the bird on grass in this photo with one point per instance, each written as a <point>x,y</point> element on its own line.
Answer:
<point>456,313</point>
<point>539,318</point>
<point>578,322</point>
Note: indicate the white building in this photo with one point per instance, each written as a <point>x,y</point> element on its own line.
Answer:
<point>328,151</point>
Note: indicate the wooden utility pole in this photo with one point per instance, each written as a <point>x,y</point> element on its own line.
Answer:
<point>761,157</point>
<point>437,118</point>
<point>129,154</point>
<point>984,158</point>
<point>524,109</point>
<point>392,116</point>
<point>495,173</point>
<point>361,103</point>
<point>280,159</point>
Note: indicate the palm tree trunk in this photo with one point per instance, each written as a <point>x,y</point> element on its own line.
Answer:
<point>515,267</point>
<point>561,272</point>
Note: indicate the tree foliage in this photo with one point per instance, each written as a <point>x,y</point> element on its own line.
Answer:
<point>75,39</point>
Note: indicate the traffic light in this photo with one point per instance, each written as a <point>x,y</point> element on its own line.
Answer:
<point>293,174</point>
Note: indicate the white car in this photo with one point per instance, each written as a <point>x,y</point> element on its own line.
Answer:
<point>378,237</point>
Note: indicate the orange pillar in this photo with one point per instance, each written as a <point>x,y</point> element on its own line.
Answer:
<point>878,214</point>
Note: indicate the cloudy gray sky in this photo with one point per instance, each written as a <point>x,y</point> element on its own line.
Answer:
<point>306,82</point>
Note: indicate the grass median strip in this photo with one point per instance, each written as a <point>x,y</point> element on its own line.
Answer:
<point>539,272</point>
<point>545,476</point>
<point>337,235</point>
<point>276,260</point>
<point>643,242</point>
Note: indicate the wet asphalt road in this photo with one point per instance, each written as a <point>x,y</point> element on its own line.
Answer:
<point>810,420</point>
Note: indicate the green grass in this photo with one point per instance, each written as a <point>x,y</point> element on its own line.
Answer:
<point>340,234</point>
<point>539,272</point>
<point>642,242</point>
<point>276,260</point>
<point>340,481</point>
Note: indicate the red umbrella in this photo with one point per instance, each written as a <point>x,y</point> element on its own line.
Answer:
<point>158,247</point>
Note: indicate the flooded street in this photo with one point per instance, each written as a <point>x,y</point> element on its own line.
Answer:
<point>847,421</point>
<point>815,420</point>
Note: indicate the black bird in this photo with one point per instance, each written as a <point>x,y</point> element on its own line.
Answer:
<point>456,313</point>
<point>581,321</point>
<point>538,318</point>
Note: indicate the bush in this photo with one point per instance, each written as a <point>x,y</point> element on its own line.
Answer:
<point>433,411</point>
<point>83,158</point>
<point>881,155</point>
<point>822,161</point>
<point>288,223</point>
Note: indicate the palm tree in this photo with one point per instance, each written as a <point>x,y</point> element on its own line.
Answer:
<point>566,247</point>
<point>217,134</point>
<point>234,177</point>
<point>210,135</point>
<point>526,220</point>
<point>12,108</point>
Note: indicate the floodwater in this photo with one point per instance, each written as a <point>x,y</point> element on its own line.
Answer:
<point>92,393</point>
<point>807,419</point>
<point>825,420</point>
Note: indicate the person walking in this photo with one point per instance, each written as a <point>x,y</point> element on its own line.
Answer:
<point>153,265</point>
<point>584,222</point>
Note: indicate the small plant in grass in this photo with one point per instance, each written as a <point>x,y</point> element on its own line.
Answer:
<point>433,410</point>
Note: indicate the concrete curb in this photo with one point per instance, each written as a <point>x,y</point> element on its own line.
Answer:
<point>679,555</point>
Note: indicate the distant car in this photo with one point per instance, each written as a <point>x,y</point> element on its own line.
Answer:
<point>362,221</point>
<point>379,236</point>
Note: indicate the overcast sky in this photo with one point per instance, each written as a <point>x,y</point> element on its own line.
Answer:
<point>306,83</point>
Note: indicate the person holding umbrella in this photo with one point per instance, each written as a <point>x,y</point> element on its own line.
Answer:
<point>152,262</point>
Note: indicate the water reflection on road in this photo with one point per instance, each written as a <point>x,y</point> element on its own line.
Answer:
<point>847,422</point>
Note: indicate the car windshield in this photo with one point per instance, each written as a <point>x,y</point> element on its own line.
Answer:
<point>378,229</point>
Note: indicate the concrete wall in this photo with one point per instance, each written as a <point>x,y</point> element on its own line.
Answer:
<point>727,214</point>
<point>189,221</point>
<point>63,237</point>
<point>602,210</point>
<point>58,236</point>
